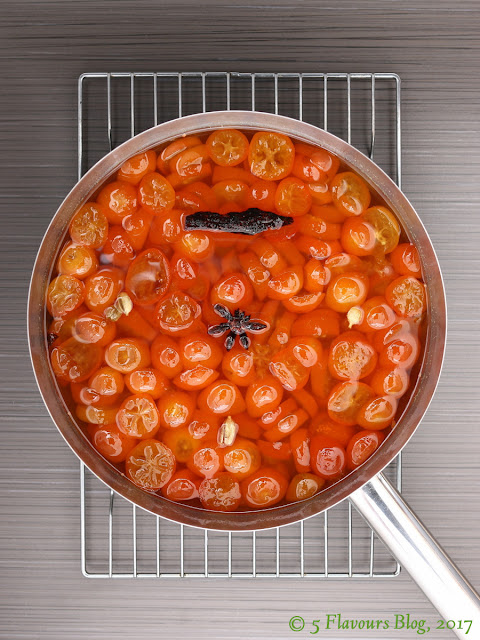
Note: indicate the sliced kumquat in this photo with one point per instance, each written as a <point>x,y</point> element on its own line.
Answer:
<point>351,356</point>
<point>221,174</point>
<point>300,445</point>
<point>220,493</point>
<point>350,193</point>
<point>321,159</point>
<point>238,366</point>
<point>392,382</point>
<point>206,461</point>
<point>242,458</point>
<point>138,416</point>
<point>233,291</point>
<point>374,314</point>
<point>231,191</point>
<point>271,155</point>
<point>127,354</point>
<point>196,378</point>
<point>307,350</point>
<point>406,261</point>
<point>181,442</point>
<point>204,424</point>
<point>148,277</point>
<point>378,413</point>
<point>259,275</point>
<point>173,149</point>
<point>265,488</point>
<point>74,361</point>
<point>307,401</point>
<point>328,457</point>
<point>362,445</point>
<point>346,400</point>
<point>89,226</point>
<point>61,328</point>
<point>292,198</point>
<point>263,395</point>
<point>315,226</point>
<point>198,348</point>
<point>347,290</point>
<point>268,256</point>
<point>286,425</point>
<point>386,228</point>
<point>182,486</point>
<point>65,294</point>
<point>304,302</point>
<point>148,380</point>
<point>77,260</point>
<point>322,323</point>
<point>103,287</point>
<point>401,351</point>
<point>167,227</point>
<point>108,440</point>
<point>286,284</point>
<point>133,169</point>
<point>177,314</point>
<point>281,333</point>
<point>190,163</point>
<point>94,328</point>
<point>137,227</point>
<point>316,276</point>
<point>358,237</point>
<point>118,199</point>
<point>175,409</point>
<point>93,414</point>
<point>322,381</point>
<point>320,192</point>
<point>227,147</point>
<point>196,245</point>
<point>304,486</point>
<point>222,398</point>
<point>324,426</point>
<point>150,465</point>
<point>288,369</point>
<point>204,171</point>
<point>118,249</point>
<point>275,450</point>
<point>261,194</point>
<point>407,296</point>
<point>136,326</point>
<point>156,194</point>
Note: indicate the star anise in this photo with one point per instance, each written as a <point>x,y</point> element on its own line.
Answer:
<point>237,324</point>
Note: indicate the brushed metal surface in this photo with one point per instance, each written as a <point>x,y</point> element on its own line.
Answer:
<point>43,48</point>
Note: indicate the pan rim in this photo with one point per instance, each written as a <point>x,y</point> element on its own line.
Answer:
<point>434,348</point>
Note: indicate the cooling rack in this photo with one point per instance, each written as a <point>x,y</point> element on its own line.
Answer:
<point>119,540</point>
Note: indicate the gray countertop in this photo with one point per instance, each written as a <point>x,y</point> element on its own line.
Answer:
<point>44,46</point>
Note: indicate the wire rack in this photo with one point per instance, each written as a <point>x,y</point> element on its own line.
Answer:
<point>118,540</point>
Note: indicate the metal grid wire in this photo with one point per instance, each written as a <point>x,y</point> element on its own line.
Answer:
<point>118,540</point>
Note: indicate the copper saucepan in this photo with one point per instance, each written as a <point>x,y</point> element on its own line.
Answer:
<point>367,488</point>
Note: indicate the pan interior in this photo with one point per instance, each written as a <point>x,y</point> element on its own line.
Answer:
<point>419,397</point>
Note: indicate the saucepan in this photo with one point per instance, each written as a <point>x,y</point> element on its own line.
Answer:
<point>367,488</point>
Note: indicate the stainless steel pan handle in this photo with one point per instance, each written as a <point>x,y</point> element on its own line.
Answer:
<point>410,542</point>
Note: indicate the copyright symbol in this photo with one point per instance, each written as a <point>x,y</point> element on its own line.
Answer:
<point>296,623</point>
